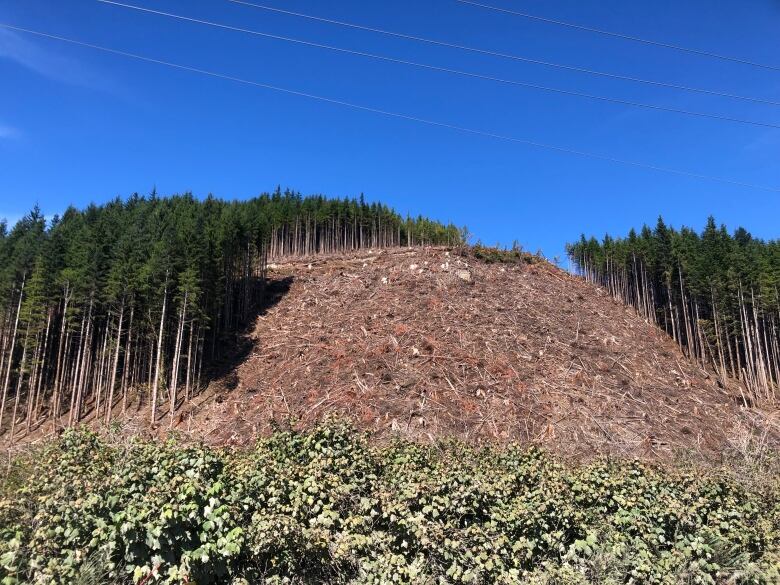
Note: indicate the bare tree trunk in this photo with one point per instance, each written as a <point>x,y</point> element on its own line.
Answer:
<point>11,355</point>
<point>114,367</point>
<point>6,335</point>
<point>189,365</point>
<point>177,355</point>
<point>33,384</point>
<point>61,347</point>
<point>156,382</point>
<point>76,370</point>
<point>81,382</point>
<point>99,374</point>
<point>128,361</point>
<point>19,381</point>
<point>39,389</point>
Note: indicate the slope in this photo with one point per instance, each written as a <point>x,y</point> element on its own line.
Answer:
<point>430,344</point>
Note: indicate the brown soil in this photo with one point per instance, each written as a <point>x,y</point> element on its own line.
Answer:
<point>400,343</point>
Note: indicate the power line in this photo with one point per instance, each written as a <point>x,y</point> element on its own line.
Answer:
<point>443,69</point>
<point>398,115</point>
<point>621,35</point>
<point>507,55</point>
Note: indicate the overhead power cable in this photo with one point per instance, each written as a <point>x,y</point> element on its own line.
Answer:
<point>441,69</point>
<point>512,57</point>
<point>398,115</point>
<point>621,35</point>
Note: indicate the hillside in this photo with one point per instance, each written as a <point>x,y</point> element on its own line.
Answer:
<point>428,344</point>
<point>133,299</point>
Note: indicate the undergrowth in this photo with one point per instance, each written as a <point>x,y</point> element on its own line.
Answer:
<point>498,255</point>
<point>329,506</point>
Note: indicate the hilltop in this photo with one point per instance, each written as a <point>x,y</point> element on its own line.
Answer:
<point>429,344</point>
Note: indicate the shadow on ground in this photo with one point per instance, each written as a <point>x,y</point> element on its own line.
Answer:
<point>237,346</point>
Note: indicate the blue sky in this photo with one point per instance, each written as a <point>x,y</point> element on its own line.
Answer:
<point>77,125</point>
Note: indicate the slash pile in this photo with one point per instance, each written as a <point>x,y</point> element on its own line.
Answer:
<point>426,343</point>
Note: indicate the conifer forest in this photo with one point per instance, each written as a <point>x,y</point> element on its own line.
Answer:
<point>130,301</point>
<point>717,294</point>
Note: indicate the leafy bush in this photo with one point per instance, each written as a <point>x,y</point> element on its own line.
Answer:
<point>497,255</point>
<point>328,505</point>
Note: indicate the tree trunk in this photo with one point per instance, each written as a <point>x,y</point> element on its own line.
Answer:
<point>128,361</point>
<point>11,355</point>
<point>177,355</point>
<point>19,382</point>
<point>156,382</point>
<point>115,365</point>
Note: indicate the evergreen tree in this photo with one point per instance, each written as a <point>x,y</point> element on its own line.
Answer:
<point>129,301</point>
<point>716,294</point>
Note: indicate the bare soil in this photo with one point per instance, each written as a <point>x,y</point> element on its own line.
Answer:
<point>429,344</point>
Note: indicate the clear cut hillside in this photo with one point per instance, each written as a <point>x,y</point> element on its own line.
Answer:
<point>431,344</point>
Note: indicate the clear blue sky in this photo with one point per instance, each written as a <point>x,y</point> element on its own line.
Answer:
<point>78,126</point>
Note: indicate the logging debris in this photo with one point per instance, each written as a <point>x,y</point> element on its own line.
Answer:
<point>427,343</point>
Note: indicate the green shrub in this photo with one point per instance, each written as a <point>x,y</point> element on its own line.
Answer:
<point>497,255</point>
<point>328,505</point>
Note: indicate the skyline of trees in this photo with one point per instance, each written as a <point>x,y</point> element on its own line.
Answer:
<point>303,226</point>
<point>127,302</point>
<point>717,294</point>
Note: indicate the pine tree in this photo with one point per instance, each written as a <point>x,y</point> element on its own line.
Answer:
<point>131,300</point>
<point>716,294</point>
